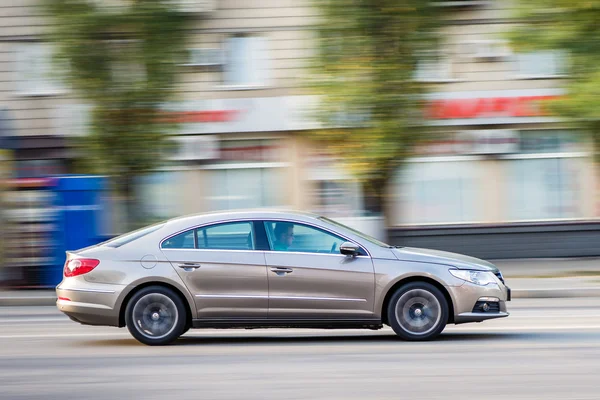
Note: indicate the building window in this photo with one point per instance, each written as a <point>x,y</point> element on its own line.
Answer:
<point>439,192</point>
<point>541,64</point>
<point>546,181</point>
<point>127,69</point>
<point>73,119</point>
<point>154,191</point>
<point>246,188</point>
<point>35,73</point>
<point>546,188</point>
<point>247,62</point>
<point>434,67</point>
<point>338,198</point>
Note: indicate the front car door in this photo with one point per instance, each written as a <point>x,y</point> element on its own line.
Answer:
<point>310,279</point>
<point>222,269</point>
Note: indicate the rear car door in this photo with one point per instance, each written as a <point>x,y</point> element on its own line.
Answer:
<point>310,279</point>
<point>222,269</point>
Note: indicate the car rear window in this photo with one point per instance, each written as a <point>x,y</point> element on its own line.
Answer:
<point>135,235</point>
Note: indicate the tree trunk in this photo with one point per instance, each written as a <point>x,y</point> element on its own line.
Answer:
<point>375,190</point>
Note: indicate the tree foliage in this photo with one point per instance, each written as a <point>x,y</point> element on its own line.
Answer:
<point>367,54</point>
<point>572,26</point>
<point>120,59</point>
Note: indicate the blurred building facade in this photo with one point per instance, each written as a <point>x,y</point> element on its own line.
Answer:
<point>505,179</point>
<point>241,107</point>
<point>500,157</point>
<point>245,115</point>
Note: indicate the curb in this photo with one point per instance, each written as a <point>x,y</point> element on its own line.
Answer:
<point>27,301</point>
<point>555,293</point>
<point>50,300</point>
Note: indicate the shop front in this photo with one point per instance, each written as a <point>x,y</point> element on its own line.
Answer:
<point>501,163</point>
<point>231,154</point>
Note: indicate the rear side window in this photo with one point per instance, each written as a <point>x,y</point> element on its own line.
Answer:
<point>182,241</point>
<point>226,236</point>
<point>229,236</point>
<point>130,237</point>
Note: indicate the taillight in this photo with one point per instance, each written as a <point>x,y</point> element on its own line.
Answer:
<point>79,266</point>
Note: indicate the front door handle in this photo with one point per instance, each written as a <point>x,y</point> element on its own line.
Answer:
<point>189,266</point>
<point>281,270</point>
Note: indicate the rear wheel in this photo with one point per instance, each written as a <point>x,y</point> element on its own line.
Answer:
<point>418,311</point>
<point>155,316</point>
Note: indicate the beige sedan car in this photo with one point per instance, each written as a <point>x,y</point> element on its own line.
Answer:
<point>262,269</point>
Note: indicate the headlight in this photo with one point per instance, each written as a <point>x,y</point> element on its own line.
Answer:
<point>477,277</point>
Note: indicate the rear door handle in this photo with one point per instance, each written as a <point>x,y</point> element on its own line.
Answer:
<point>189,266</point>
<point>282,270</point>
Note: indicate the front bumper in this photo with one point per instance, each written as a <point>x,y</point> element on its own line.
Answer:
<point>466,296</point>
<point>478,317</point>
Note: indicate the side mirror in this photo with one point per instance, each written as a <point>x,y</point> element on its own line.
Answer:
<point>349,249</point>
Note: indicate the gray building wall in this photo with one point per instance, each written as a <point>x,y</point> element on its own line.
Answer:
<point>521,240</point>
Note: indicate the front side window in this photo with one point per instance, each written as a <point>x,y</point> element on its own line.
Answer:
<point>289,236</point>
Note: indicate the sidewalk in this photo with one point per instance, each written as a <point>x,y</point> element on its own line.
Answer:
<point>552,278</point>
<point>539,278</point>
<point>554,267</point>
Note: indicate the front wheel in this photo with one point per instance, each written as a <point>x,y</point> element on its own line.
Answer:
<point>418,311</point>
<point>155,316</point>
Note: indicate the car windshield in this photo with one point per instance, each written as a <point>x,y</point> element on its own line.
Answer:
<point>357,233</point>
<point>131,236</point>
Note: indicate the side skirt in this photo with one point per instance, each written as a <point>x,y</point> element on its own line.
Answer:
<point>255,323</point>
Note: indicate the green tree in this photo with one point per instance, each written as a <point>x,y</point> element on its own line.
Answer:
<point>364,69</point>
<point>571,26</point>
<point>121,59</point>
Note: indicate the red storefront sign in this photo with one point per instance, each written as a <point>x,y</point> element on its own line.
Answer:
<point>522,106</point>
<point>191,117</point>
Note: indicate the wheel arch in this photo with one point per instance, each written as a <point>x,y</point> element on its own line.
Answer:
<point>401,282</point>
<point>188,303</point>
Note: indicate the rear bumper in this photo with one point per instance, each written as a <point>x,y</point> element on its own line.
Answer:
<point>89,305</point>
<point>88,314</point>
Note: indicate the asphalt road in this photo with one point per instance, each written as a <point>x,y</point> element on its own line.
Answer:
<point>547,349</point>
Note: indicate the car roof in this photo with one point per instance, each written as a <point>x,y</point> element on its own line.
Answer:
<point>216,216</point>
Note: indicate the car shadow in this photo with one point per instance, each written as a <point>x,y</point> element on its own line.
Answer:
<point>191,339</point>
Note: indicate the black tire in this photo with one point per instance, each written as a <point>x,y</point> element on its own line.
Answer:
<point>418,311</point>
<point>155,316</point>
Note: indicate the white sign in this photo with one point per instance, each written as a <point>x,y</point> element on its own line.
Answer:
<point>262,114</point>
<point>191,148</point>
<point>490,141</point>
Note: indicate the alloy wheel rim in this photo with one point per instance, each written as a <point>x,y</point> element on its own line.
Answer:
<point>155,315</point>
<point>418,312</point>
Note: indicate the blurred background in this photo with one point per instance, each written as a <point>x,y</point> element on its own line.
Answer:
<point>466,126</point>
<point>470,126</point>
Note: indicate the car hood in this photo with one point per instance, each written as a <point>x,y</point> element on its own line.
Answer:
<point>459,261</point>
